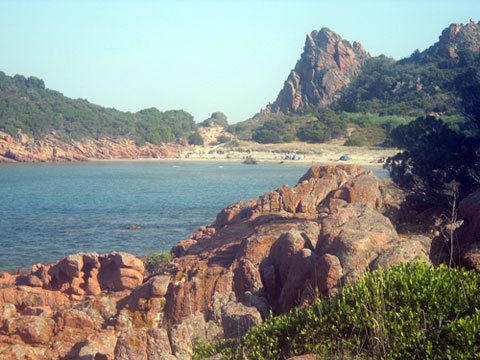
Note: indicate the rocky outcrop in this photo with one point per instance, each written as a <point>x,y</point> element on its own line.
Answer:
<point>467,236</point>
<point>22,148</point>
<point>270,254</point>
<point>327,64</point>
<point>457,38</point>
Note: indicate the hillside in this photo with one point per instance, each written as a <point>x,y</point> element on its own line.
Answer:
<point>26,104</point>
<point>367,92</point>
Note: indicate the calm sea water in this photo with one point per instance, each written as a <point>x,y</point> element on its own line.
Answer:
<point>48,211</point>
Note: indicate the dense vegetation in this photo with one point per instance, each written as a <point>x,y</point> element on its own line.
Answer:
<point>405,87</point>
<point>441,161</point>
<point>410,311</point>
<point>315,126</point>
<point>25,103</point>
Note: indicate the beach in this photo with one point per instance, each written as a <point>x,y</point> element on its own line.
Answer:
<point>305,154</point>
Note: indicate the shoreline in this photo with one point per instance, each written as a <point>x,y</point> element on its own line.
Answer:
<point>224,161</point>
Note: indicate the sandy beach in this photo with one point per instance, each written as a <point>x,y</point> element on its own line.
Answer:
<point>276,153</point>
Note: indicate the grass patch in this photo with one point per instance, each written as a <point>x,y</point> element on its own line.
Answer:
<point>157,262</point>
<point>368,136</point>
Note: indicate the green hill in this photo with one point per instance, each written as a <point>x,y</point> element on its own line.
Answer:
<point>372,93</point>
<point>25,103</point>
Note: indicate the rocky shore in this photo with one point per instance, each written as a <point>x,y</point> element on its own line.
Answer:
<point>23,148</point>
<point>264,255</point>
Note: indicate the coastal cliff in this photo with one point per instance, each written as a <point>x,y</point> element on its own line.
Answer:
<point>263,255</point>
<point>23,148</point>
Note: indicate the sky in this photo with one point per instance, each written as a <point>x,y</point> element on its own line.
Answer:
<point>200,56</point>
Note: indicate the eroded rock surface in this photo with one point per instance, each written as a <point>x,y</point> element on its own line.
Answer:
<point>22,148</point>
<point>327,64</point>
<point>264,255</point>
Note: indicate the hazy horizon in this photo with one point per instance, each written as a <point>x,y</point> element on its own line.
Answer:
<point>199,56</point>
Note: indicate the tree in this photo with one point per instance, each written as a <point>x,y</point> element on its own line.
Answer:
<point>195,139</point>
<point>216,119</point>
<point>266,136</point>
<point>434,158</point>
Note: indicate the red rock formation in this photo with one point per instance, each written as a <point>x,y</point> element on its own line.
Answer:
<point>22,148</point>
<point>272,253</point>
<point>327,64</point>
<point>457,38</point>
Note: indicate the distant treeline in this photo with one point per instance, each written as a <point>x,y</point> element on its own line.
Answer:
<point>25,103</point>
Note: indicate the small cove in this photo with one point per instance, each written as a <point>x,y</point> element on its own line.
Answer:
<point>48,211</point>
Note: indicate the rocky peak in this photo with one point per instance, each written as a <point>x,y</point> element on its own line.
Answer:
<point>327,64</point>
<point>457,38</point>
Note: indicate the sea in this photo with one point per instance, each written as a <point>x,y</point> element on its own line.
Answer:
<point>48,211</point>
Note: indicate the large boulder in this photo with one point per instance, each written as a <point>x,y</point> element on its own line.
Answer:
<point>467,248</point>
<point>32,329</point>
<point>142,344</point>
<point>238,318</point>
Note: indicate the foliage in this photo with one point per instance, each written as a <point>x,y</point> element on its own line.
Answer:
<point>410,311</point>
<point>281,124</point>
<point>25,103</point>
<point>318,126</point>
<point>195,139</point>
<point>156,262</point>
<point>406,87</point>
<point>327,126</point>
<point>222,139</point>
<point>434,158</point>
<point>216,119</point>
<point>468,87</point>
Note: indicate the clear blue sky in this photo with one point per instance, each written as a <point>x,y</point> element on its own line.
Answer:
<point>200,56</point>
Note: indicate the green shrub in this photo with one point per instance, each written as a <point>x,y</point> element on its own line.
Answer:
<point>216,119</point>
<point>352,141</point>
<point>223,139</point>
<point>156,262</point>
<point>195,139</point>
<point>327,126</point>
<point>410,311</point>
<point>288,138</point>
<point>267,136</point>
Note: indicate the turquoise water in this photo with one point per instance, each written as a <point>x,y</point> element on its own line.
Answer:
<point>48,211</point>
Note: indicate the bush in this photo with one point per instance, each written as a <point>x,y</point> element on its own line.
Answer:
<point>156,262</point>
<point>195,139</point>
<point>354,142</point>
<point>216,119</point>
<point>410,311</point>
<point>288,138</point>
<point>223,139</point>
<point>327,126</point>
